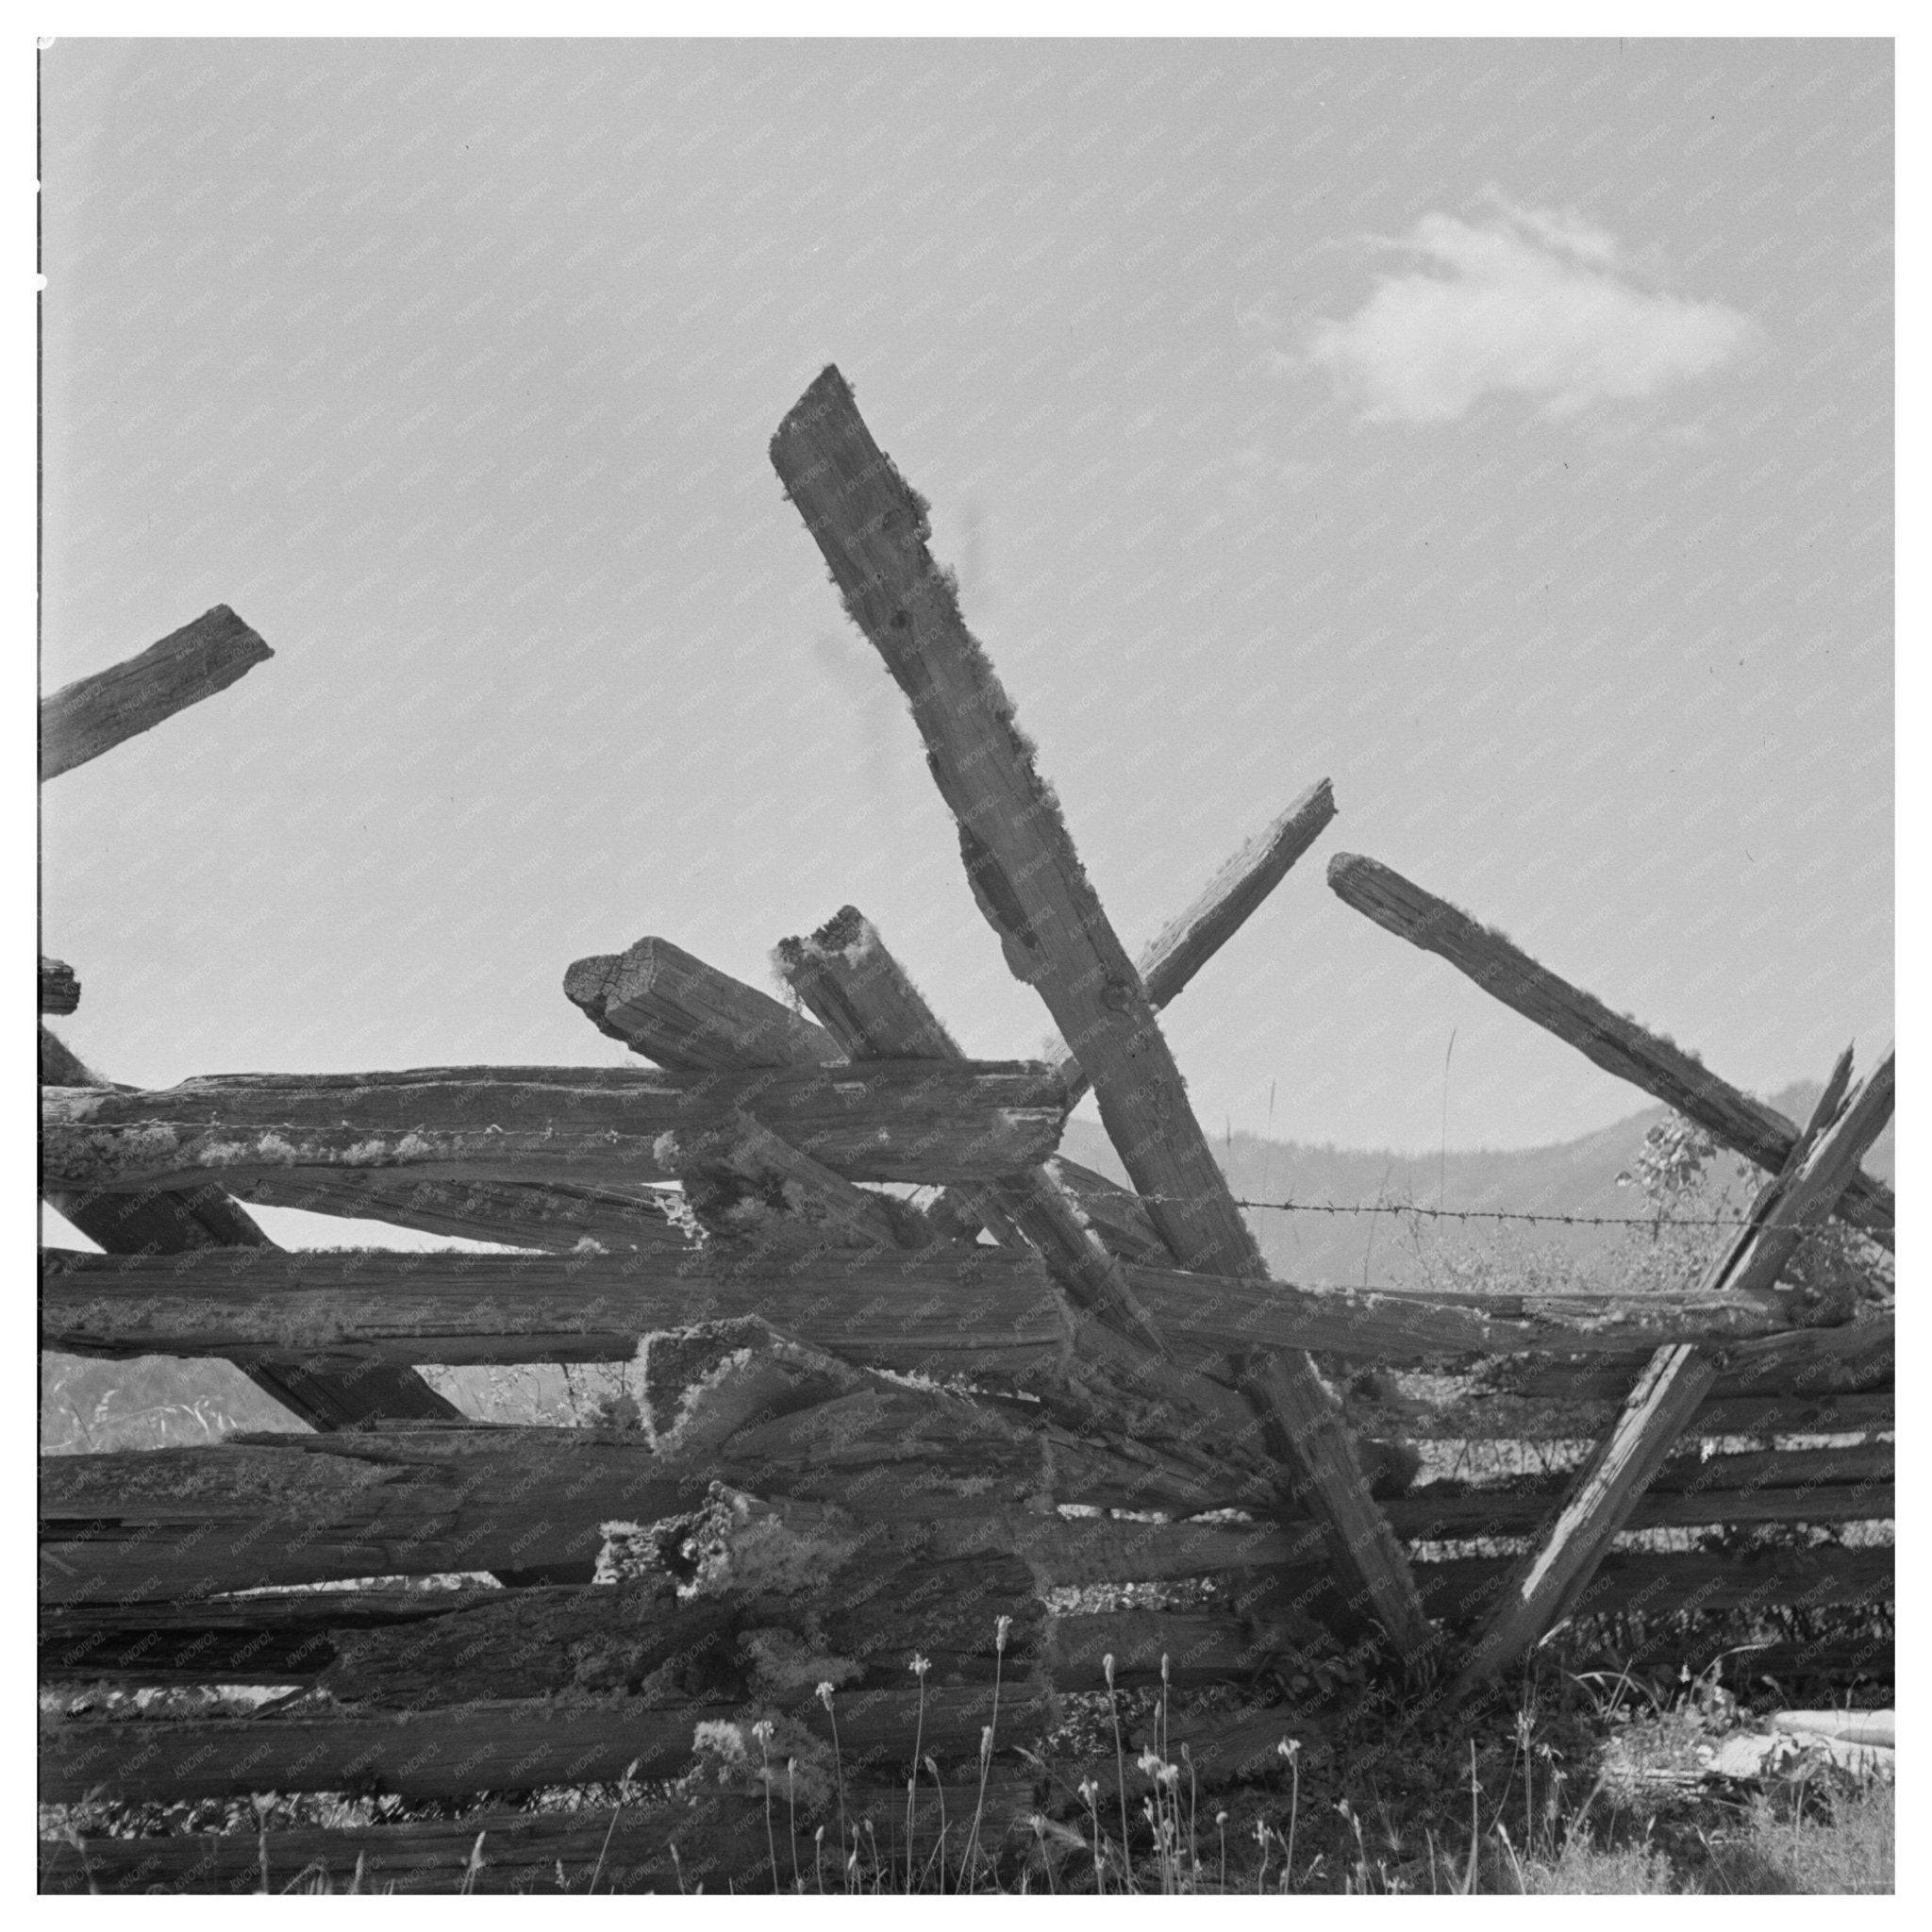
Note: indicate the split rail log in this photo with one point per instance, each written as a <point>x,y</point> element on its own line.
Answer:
<point>784,1600</point>
<point>555,1217</point>
<point>1500,1418</point>
<point>1558,1568</point>
<point>907,1121</point>
<point>783,1422</point>
<point>1027,879</point>
<point>719,1835</point>
<point>1617,1044</point>
<point>982,1309</point>
<point>93,715</point>
<point>59,988</point>
<point>1808,1363</point>
<point>160,1223</point>
<point>1238,890</point>
<point>941,1309</point>
<point>516,1745</point>
<point>293,1635</point>
<point>875,1595</point>
<point>674,1008</point>
<point>847,975</point>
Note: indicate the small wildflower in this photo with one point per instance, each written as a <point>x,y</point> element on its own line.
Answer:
<point>1000,1626</point>
<point>1289,1748</point>
<point>1221,1818</point>
<point>1107,1665</point>
<point>762,1730</point>
<point>1149,1760</point>
<point>1090,1790</point>
<point>825,1694</point>
<point>919,1666</point>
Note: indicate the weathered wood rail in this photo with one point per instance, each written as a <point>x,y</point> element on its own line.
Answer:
<point>1612,1041</point>
<point>894,1120</point>
<point>932,1309</point>
<point>871,1424</point>
<point>93,715</point>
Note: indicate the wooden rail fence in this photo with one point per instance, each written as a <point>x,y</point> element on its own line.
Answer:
<point>905,1372</point>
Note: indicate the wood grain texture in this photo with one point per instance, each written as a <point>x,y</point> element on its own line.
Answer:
<point>871,526</point>
<point>988,1307</point>
<point>674,1008</point>
<point>855,1290</point>
<point>916,1120</point>
<point>1613,1041</point>
<point>93,715</point>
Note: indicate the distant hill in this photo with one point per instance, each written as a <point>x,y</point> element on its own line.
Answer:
<point>1570,1177</point>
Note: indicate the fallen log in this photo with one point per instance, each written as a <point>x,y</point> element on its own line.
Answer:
<point>93,715</point>
<point>902,1120</point>
<point>1614,1042</point>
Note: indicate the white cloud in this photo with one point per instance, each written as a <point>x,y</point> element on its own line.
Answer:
<point>1530,302</point>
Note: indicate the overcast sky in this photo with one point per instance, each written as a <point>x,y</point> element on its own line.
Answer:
<point>1501,430</point>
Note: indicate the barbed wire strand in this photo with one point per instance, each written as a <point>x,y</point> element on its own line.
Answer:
<point>1652,1220</point>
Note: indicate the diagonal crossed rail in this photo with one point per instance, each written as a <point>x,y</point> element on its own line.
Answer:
<point>1027,879</point>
